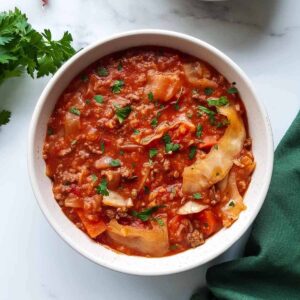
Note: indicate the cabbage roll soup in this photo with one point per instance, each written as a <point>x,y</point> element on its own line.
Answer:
<point>148,152</point>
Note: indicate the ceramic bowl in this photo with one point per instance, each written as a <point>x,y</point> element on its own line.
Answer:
<point>259,128</point>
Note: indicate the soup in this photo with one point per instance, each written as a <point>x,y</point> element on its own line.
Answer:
<point>148,151</point>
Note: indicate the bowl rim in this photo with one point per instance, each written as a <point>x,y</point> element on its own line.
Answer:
<point>31,156</point>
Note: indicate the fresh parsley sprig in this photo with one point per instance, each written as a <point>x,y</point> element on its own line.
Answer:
<point>24,49</point>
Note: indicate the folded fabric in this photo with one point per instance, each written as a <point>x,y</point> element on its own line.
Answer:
<point>270,268</point>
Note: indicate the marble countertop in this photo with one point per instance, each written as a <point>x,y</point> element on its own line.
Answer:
<point>263,37</point>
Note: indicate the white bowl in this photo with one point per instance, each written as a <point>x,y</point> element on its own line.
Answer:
<point>259,127</point>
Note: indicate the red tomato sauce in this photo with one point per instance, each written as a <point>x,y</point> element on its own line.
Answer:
<point>119,139</point>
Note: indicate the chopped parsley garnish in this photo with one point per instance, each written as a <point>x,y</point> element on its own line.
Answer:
<point>218,102</point>
<point>193,151</point>
<point>123,113</point>
<point>197,196</point>
<point>154,122</point>
<point>211,114</point>
<point>102,147</point>
<point>173,247</point>
<point>199,130</point>
<point>166,138</point>
<point>136,131</point>
<point>103,72</point>
<point>208,91</point>
<point>98,98</point>
<point>232,90</point>
<point>222,123</point>
<point>84,78</point>
<point>172,147</point>
<point>231,203</point>
<point>189,115</point>
<point>94,177</point>
<point>146,190</point>
<point>145,215</point>
<point>50,131</point>
<point>216,147</point>
<point>176,105</point>
<point>153,152</point>
<point>169,146</point>
<point>87,101</point>
<point>117,86</point>
<point>121,152</point>
<point>159,221</point>
<point>115,163</point>
<point>75,111</point>
<point>120,66</point>
<point>150,96</point>
<point>102,188</point>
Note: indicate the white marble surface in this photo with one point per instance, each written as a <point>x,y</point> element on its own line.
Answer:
<point>263,37</point>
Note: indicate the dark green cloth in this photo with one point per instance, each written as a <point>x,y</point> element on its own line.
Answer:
<point>270,268</point>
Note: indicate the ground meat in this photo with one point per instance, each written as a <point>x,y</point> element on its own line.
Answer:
<point>64,152</point>
<point>195,238</point>
<point>126,173</point>
<point>110,213</point>
<point>68,177</point>
<point>166,165</point>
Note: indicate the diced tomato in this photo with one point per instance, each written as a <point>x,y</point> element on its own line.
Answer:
<point>209,222</point>
<point>93,228</point>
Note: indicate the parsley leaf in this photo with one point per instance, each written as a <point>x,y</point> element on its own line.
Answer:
<point>199,130</point>
<point>208,91</point>
<point>102,188</point>
<point>231,203</point>
<point>146,190</point>
<point>150,96</point>
<point>120,66</point>
<point>169,146</point>
<point>4,117</point>
<point>115,163</point>
<point>197,196</point>
<point>74,111</point>
<point>102,146</point>
<point>136,131</point>
<point>222,123</point>
<point>159,221</point>
<point>172,147</point>
<point>176,105</point>
<point>211,114</point>
<point>117,86</point>
<point>153,152</point>
<point>193,151</point>
<point>154,122</point>
<point>98,98</point>
<point>123,113</point>
<point>102,72</point>
<point>218,102</point>
<point>94,177</point>
<point>145,214</point>
<point>23,48</point>
<point>232,90</point>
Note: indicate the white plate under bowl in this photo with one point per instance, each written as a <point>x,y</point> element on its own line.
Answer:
<point>259,128</point>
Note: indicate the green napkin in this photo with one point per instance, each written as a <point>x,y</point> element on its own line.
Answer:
<point>270,268</point>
